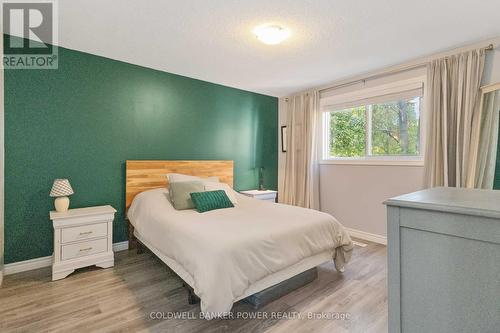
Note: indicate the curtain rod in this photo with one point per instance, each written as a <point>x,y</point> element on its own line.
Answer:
<point>394,71</point>
<point>490,47</point>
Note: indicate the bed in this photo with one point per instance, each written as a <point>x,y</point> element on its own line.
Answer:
<point>229,254</point>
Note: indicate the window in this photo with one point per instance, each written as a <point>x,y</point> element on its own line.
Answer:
<point>378,127</point>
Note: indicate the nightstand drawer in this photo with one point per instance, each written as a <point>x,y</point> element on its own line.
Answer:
<point>84,232</point>
<point>86,248</point>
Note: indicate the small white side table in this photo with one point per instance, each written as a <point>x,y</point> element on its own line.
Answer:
<point>82,237</point>
<point>266,195</point>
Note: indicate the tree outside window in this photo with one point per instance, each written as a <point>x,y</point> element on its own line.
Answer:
<point>383,129</point>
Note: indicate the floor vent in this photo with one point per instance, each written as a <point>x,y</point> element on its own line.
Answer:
<point>360,244</point>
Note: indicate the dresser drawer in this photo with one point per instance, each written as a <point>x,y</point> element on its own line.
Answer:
<point>84,232</point>
<point>85,248</point>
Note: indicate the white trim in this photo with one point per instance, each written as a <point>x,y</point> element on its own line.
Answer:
<point>324,145</point>
<point>36,263</point>
<point>367,236</point>
<point>27,265</point>
<point>400,161</point>
<point>417,82</point>
<point>360,244</point>
<point>360,94</point>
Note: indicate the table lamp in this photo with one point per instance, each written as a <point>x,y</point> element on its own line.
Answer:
<point>60,190</point>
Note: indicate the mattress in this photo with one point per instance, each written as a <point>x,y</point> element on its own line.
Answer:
<point>228,254</point>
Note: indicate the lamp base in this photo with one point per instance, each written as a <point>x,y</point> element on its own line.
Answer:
<point>61,204</point>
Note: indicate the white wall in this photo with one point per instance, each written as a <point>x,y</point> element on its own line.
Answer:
<point>282,110</point>
<point>354,193</point>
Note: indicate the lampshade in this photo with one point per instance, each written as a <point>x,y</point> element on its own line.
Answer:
<point>61,188</point>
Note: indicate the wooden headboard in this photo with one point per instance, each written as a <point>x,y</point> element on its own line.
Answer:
<point>146,175</point>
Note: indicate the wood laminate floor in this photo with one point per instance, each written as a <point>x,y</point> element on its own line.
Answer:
<point>122,298</point>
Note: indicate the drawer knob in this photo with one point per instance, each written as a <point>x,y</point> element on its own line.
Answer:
<point>85,233</point>
<point>86,249</point>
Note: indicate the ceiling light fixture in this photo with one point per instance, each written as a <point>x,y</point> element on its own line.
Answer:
<point>271,34</point>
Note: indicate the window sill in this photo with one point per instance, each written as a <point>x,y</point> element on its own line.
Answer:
<point>363,161</point>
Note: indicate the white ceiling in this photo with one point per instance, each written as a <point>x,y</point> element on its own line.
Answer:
<point>332,39</point>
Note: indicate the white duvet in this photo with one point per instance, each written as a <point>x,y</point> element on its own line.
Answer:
<point>227,250</point>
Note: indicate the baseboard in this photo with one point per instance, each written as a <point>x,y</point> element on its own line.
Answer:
<point>28,265</point>
<point>367,236</point>
<point>121,246</point>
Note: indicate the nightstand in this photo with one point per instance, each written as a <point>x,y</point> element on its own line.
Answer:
<point>266,195</point>
<point>82,237</point>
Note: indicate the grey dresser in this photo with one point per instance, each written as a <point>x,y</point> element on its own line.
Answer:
<point>444,261</point>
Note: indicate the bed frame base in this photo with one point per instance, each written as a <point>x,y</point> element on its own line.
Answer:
<point>270,294</point>
<point>134,243</point>
<point>140,247</point>
<point>132,240</point>
<point>279,290</point>
<point>192,298</point>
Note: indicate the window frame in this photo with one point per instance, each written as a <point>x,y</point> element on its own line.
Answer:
<point>359,95</point>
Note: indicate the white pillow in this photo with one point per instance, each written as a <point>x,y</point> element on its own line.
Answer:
<point>178,177</point>
<point>213,186</point>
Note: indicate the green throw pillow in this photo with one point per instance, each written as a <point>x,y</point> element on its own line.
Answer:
<point>180,193</point>
<point>210,200</point>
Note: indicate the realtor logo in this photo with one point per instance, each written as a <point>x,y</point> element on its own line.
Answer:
<point>30,32</point>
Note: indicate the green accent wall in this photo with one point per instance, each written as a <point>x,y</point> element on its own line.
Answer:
<point>83,120</point>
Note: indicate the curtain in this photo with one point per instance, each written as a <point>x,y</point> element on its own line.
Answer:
<point>301,180</point>
<point>454,118</point>
<point>483,174</point>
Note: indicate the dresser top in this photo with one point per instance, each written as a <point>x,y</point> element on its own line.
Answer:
<point>80,212</point>
<point>455,200</point>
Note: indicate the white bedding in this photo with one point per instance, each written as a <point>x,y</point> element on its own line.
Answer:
<point>227,250</point>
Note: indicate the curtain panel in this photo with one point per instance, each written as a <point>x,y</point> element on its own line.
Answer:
<point>483,175</point>
<point>301,180</point>
<point>454,123</point>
